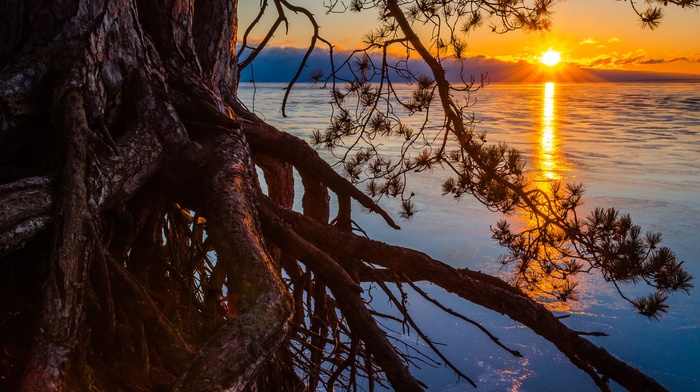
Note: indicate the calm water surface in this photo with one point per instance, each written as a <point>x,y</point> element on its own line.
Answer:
<point>636,147</point>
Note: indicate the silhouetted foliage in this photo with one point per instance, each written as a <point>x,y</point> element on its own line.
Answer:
<point>560,244</point>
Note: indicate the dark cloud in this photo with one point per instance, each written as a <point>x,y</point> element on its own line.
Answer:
<point>610,61</point>
<point>276,64</point>
<point>602,62</point>
<point>629,60</point>
<point>672,60</point>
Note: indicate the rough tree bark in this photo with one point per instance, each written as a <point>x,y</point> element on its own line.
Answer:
<point>137,250</point>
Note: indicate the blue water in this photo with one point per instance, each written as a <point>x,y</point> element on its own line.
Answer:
<point>636,147</point>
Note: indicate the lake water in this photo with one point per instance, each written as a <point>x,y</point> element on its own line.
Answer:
<point>636,147</point>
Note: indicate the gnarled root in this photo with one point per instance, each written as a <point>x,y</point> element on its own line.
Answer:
<point>235,354</point>
<point>478,288</point>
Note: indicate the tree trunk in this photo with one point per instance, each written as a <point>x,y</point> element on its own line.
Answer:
<point>102,84</point>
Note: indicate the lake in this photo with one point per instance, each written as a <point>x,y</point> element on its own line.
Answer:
<point>636,147</point>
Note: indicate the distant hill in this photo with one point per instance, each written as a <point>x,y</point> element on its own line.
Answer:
<point>277,64</point>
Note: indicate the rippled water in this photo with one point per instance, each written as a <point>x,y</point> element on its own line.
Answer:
<point>636,147</point>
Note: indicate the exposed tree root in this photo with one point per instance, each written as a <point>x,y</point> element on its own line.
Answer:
<point>473,286</point>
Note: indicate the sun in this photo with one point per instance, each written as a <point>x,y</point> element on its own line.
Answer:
<point>550,57</point>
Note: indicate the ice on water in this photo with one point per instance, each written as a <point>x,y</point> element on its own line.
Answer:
<point>636,146</point>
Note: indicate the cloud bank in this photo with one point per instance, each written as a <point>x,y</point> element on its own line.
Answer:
<point>279,64</point>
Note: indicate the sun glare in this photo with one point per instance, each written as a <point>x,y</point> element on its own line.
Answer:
<point>550,57</point>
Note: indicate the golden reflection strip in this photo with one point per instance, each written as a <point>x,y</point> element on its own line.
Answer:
<point>547,158</point>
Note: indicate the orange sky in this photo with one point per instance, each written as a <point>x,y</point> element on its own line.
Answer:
<point>603,34</point>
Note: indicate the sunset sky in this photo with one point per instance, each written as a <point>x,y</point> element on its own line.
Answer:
<point>594,34</point>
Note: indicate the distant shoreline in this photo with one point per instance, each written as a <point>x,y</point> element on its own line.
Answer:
<point>659,80</point>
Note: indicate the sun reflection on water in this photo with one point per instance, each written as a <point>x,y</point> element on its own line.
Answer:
<point>548,158</point>
<point>550,168</point>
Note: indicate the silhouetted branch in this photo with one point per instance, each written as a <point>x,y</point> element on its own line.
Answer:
<point>460,316</point>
